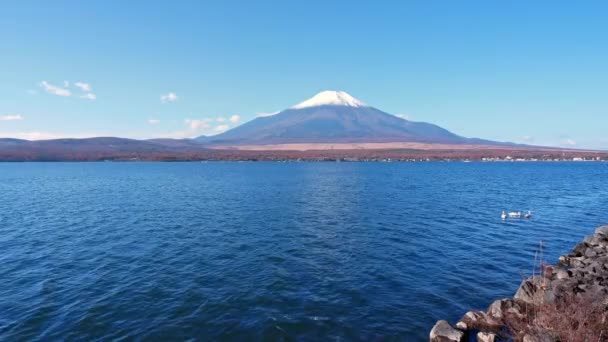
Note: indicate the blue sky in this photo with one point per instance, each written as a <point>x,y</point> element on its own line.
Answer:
<point>524,71</point>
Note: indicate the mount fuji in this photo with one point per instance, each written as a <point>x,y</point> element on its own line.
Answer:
<point>335,117</point>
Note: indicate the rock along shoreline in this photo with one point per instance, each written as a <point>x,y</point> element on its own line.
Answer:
<point>565,302</point>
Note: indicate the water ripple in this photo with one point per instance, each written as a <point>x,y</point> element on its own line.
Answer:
<point>274,251</point>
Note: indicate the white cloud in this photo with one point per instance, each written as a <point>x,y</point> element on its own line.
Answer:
<point>35,135</point>
<point>220,119</point>
<point>66,84</point>
<point>569,142</point>
<point>153,121</point>
<point>197,127</point>
<point>235,119</point>
<point>11,117</point>
<point>221,128</point>
<point>86,87</point>
<point>89,96</point>
<point>262,115</point>
<point>55,90</point>
<point>169,97</point>
<point>403,116</point>
<point>30,135</point>
<point>198,124</point>
<point>186,134</point>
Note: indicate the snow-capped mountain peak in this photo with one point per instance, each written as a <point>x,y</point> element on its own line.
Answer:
<point>330,98</point>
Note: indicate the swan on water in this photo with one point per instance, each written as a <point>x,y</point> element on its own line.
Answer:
<point>515,214</point>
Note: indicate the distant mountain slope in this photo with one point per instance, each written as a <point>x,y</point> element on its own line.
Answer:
<point>93,148</point>
<point>335,117</point>
<point>118,149</point>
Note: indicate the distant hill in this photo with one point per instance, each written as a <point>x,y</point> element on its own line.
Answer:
<point>94,149</point>
<point>335,117</point>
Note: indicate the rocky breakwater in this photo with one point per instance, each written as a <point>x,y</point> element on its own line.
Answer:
<point>565,302</point>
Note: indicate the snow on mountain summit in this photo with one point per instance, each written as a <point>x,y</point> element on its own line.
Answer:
<point>330,98</point>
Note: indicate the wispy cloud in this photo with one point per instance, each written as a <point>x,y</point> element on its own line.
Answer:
<point>184,134</point>
<point>195,128</point>
<point>235,119</point>
<point>153,121</point>
<point>59,91</point>
<point>221,128</point>
<point>569,142</point>
<point>169,97</point>
<point>198,124</point>
<point>11,117</point>
<point>30,135</point>
<point>86,87</point>
<point>198,127</point>
<point>37,135</point>
<point>55,90</point>
<point>220,119</point>
<point>403,116</point>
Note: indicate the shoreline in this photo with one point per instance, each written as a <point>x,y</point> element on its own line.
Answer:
<point>566,293</point>
<point>113,149</point>
<point>327,160</point>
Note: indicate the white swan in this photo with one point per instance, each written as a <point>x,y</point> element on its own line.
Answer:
<point>515,214</point>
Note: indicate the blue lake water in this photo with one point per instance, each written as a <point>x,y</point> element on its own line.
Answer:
<point>275,251</point>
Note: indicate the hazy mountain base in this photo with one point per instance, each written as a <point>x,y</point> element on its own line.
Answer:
<point>380,146</point>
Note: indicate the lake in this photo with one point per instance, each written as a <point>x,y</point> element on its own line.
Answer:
<point>276,251</point>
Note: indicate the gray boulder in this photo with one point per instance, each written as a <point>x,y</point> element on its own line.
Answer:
<point>479,320</point>
<point>577,262</point>
<point>600,251</point>
<point>462,326</point>
<point>500,307</point>
<point>597,240</point>
<point>579,250</point>
<point>527,291</point>
<point>566,286</point>
<point>444,332</point>
<point>540,337</point>
<point>562,274</point>
<point>590,253</point>
<point>495,310</point>
<point>594,267</point>
<point>603,231</point>
<point>578,272</point>
<point>486,337</point>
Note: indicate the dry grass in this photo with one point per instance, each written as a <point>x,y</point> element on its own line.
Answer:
<point>573,318</point>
